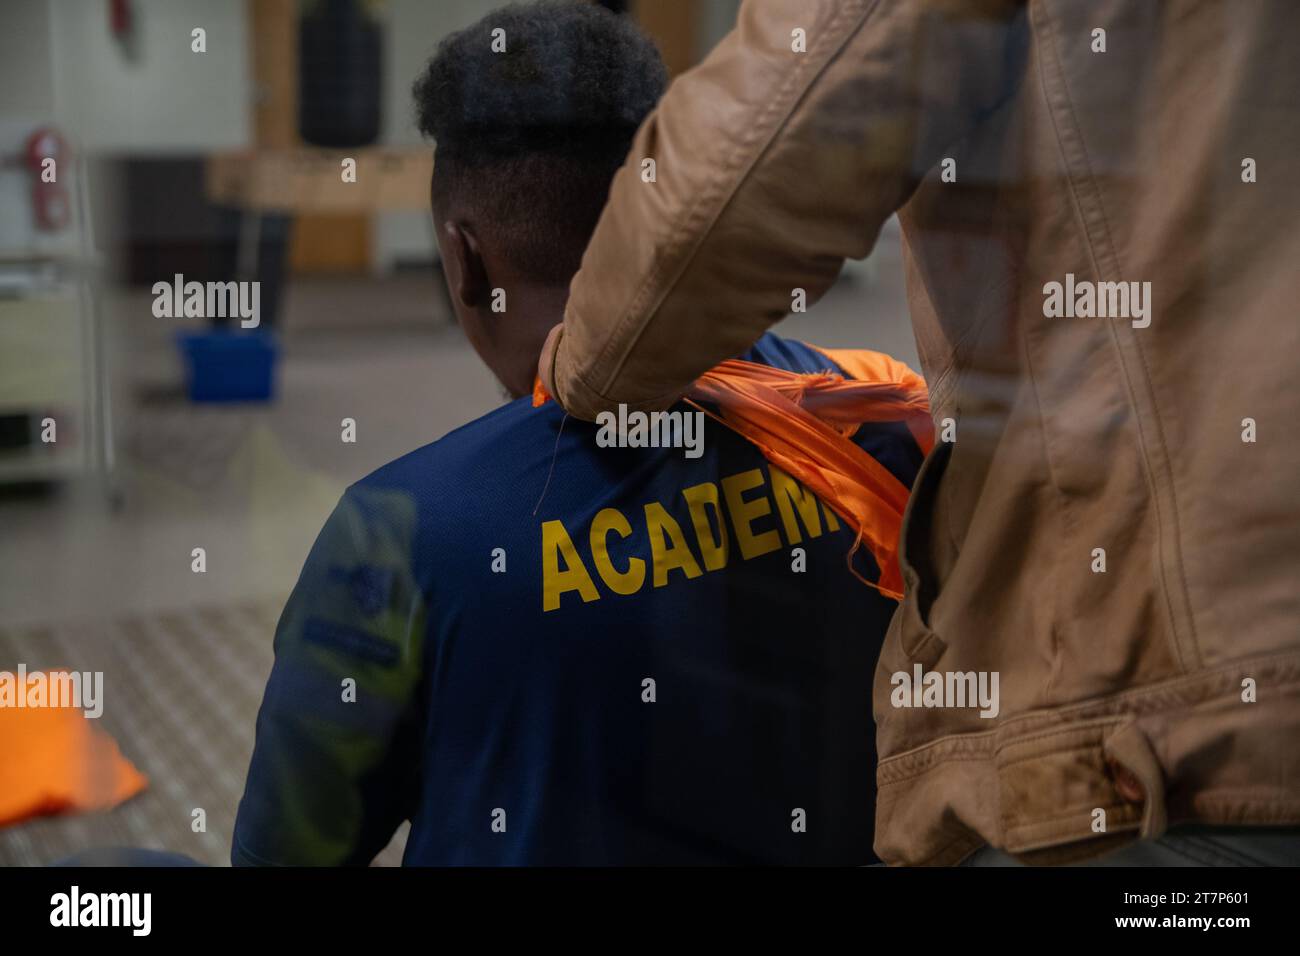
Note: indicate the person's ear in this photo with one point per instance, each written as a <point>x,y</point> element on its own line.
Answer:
<point>467,275</point>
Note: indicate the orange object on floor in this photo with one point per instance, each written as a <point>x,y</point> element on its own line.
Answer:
<point>55,760</point>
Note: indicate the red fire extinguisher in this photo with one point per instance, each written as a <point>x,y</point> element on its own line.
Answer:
<point>48,158</point>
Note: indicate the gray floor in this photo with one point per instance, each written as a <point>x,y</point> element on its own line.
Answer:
<point>252,485</point>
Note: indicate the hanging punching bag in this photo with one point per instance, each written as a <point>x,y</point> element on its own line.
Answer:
<point>339,81</point>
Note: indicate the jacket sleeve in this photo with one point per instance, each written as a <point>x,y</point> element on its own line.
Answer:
<point>771,166</point>
<point>334,765</point>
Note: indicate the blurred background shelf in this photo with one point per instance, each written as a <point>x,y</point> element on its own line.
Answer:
<point>20,468</point>
<point>309,180</point>
<point>41,353</point>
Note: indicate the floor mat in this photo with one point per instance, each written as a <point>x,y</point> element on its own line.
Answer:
<point>181,692</point>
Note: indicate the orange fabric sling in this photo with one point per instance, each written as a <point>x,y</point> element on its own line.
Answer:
<point>803,424</point>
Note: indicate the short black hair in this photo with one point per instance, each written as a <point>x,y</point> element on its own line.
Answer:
<point>531,137</point>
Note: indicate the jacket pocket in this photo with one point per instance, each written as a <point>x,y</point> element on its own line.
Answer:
<point>918,640</point>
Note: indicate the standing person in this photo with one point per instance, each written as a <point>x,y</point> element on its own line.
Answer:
<point>1102,230</point>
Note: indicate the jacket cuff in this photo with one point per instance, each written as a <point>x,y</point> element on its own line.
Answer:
<point>563,383</point>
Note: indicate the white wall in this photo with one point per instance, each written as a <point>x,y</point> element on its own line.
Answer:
<point>167,101</point>
<point>25,75</point>
<point>413,31</point>
<point>26,101</point>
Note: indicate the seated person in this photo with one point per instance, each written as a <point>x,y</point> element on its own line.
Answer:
<point>538,647</point>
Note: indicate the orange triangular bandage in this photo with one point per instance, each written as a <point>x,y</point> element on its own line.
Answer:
<point>804,423</point>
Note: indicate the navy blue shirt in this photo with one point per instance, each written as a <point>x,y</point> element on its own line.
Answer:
<point>662,659</point>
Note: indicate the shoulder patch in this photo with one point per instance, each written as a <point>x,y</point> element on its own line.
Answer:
<point>351,641</point>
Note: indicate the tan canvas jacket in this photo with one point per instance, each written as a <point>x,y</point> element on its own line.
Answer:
<point>1113,523</point>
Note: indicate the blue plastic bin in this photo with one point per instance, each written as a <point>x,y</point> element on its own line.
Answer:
<point>225,366</point>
